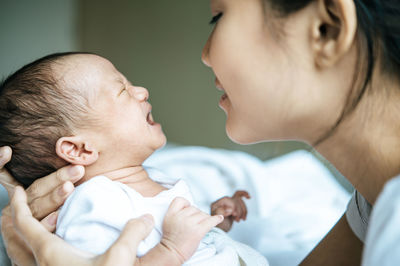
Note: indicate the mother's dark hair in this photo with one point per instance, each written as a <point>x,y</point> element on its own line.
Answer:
<point>378,36</point>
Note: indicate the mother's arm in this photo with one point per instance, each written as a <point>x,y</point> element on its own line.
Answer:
<point>44,197</point>
<point>339,247</point>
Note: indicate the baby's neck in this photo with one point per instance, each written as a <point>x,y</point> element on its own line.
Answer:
<point>136,177</point>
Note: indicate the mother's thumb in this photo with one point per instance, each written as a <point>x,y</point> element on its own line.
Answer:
<point>123,251</point>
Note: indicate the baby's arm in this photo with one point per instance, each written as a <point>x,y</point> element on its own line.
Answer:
<point>183,228</point>
<point>232,208</point>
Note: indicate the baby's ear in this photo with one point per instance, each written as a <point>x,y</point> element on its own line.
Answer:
<point>76,151</point>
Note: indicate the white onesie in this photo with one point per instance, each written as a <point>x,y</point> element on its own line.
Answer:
<point>94,215</point>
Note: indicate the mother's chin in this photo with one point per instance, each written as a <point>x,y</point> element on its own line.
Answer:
<point>241,135</point>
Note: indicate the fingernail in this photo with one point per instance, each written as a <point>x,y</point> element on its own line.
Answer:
<point>75,172</point>
<point>221,217</point>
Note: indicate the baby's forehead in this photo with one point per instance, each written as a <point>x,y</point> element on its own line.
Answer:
<point>90,76</point>
<point>87,64</point>
<point>86,70</point>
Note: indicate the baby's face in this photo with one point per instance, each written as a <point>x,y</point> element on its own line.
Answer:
<point>126,132</point>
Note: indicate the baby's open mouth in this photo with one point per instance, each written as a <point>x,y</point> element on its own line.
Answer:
<point>150,119</point>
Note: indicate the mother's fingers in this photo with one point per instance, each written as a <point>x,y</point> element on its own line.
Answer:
<point>6,179</point>
<point>25,224</point>
<point>123,251</point>
<point>49,183</point>
<point>17,250</point>
<point>42,206</point>
<point>47,194</point>
<point>50,221</point>
<point>48,249</point>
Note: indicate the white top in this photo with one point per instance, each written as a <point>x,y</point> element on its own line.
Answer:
<point>357,214</point>
<point>382,244</point>
<point>96,212</point>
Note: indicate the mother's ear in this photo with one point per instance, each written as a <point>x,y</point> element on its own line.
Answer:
<point>76,151</point>
<point>333,31</point>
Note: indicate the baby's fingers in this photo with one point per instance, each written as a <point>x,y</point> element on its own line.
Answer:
<point>177,204</point>
<point>243,208</point>
<point>225,211</point>
<point>240,211</point>
<point>242,193</point>
<point>6,179</point>
<point>224,207</point>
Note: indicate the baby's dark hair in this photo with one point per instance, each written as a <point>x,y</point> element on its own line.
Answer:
<point>37,107</point>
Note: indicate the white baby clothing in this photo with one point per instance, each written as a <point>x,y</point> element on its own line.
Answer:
<point>94,215</point>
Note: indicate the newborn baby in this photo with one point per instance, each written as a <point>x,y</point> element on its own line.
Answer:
<point>76,108</point>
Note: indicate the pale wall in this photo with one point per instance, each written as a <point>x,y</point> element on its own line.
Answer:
<point>31,29</point>
<point>157,44</point>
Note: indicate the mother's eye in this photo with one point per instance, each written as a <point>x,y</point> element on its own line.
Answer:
<point>215,18</point>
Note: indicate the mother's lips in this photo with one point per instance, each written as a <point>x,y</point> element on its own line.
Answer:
<point>218,85</point>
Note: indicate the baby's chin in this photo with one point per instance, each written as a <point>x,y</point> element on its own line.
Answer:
<point>162,143</point>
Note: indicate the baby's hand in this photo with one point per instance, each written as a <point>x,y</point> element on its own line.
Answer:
<point>233,209</point>
<point>184,226</point>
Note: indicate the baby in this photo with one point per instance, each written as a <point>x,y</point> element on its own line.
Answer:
<point>76,108</point>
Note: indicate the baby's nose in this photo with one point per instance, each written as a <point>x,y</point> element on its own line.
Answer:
<point>140,93</point>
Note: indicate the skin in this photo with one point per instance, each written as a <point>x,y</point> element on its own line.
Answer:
<point>285,78</point>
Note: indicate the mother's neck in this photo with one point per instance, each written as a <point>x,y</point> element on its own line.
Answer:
<point>365,148</point>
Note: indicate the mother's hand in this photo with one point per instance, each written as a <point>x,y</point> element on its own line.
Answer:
<point>44,197</point>
<point>48,249</point>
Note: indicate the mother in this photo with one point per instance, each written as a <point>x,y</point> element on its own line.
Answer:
<point>325,72</point>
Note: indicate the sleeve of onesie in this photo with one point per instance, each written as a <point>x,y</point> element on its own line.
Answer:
<point>357,214</point>
<point>92,217</point>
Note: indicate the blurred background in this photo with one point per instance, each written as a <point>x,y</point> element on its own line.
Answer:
<point>155,44</point>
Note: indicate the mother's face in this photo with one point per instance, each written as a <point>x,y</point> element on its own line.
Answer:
<point>267,68</point>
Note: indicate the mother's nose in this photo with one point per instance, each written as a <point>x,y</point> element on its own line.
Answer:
<point>205,54</point>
